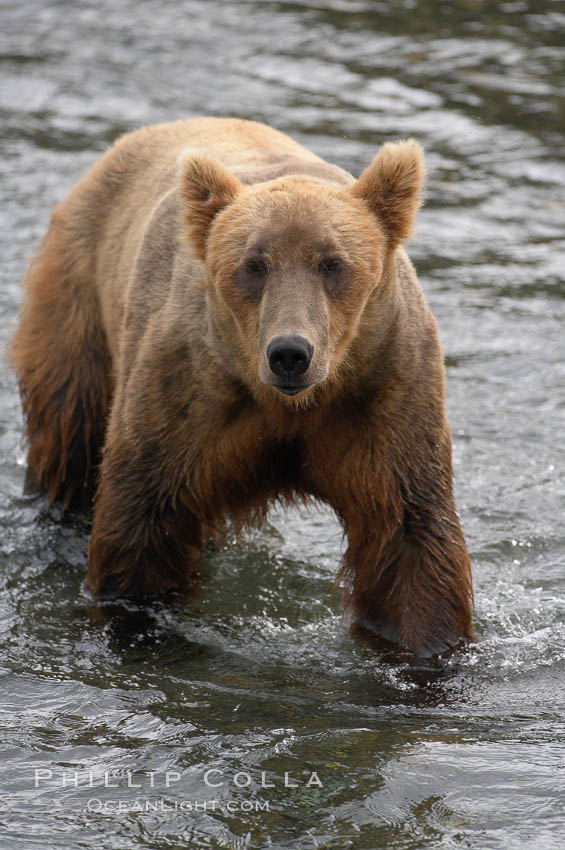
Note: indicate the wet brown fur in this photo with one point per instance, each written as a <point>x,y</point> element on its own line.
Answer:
<point>141,360</point>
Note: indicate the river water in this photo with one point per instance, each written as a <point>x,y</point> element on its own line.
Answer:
<point>111,717</point>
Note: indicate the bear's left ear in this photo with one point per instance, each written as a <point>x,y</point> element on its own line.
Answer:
<point>206,188</point>
<point>392,187</point>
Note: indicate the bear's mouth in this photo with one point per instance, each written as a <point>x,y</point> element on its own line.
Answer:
<point>288,389</point>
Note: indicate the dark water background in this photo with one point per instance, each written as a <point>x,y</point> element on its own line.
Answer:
<point>258,673</point>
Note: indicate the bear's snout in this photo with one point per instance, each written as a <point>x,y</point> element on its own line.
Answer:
<point>289,357</point>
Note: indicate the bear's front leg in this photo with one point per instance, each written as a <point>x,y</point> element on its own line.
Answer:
<point>410,582</point>
<point>145,539</point>
<point>406,571</point>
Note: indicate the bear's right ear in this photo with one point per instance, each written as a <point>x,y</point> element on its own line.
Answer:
<point>206,188</point>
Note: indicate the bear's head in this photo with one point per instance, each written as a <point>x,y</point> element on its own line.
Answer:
<point>298,269</point>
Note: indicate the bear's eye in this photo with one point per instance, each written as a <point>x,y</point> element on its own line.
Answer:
<point>256,268</point>
<point>330,266</point>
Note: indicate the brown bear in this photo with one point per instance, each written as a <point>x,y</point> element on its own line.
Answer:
<point>218,319</point>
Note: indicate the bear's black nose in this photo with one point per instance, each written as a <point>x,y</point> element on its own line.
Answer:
<point>289,356</point>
